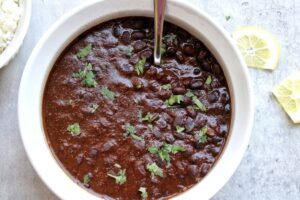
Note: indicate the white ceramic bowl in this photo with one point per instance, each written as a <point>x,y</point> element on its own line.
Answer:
<point>69,27</point>
<point>19,36</point>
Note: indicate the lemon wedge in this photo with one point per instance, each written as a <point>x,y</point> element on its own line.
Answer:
<point>288,95</point>
<point>258,46</point>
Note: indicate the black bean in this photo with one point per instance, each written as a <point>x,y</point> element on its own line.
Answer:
<point>197,71</point>
<point>210,132</point>
<point>154,85</point>
<point>191,111</point>
<point>164,94</point>
<point>152,71</point>
<point>216,69</point>
<point>169,138</point>
<point>189,124</point>
<point>180,136</point>
<point>139,45</point>
<point>187,101</point>
<point>125,37</point>
<point>204,169</point>
<point>93,152</point>
<point>117,30</point>
<point>227,108</point>
<point>179,90</point>
<point>206,66</point>
<point>126,68</point>
<point>108,145</point>
<point>188,49</point>
<point>79,159</point>
<point>192,170</point>
<point>171,51</point>
<point>213,97</point>
<point>161,123</point>
<point>147,53</point>
<point>179,56</point>
<point>196,84</point>
<point>136,35</point>
<point>202,55</point>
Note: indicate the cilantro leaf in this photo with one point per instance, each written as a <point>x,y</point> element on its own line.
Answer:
<point>170,38</point>
<point>84,51</point>
<point>143,192</point>
<point>177,148</point>
<point>150,118</point>
<point>74,129</point>
<point>179,129</point>
<point>166,86</point>
<point>120,178</point>
<point>202,137</point>
<point>87,75</point>
<point>155,170</point>
<point>228,17</point>
<point>130,130</point>
<point>136,100</point>
<point>139,67</point>
<point>164,151</point>
<point>199,104</point>
<point>86,179</point>
<point>94,107</point>
<point>107,93</point>
<point>174,99</point>
<point>163,49</point>
<point>208,80</point>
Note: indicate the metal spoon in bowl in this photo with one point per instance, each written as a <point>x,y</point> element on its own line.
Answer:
<point>159,16</point>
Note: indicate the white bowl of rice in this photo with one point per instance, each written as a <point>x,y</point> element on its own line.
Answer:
<point>14,23</point>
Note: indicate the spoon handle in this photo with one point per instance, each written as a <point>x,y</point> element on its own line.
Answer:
<point>159,15</point>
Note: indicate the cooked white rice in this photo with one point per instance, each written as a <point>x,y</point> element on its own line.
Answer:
<point>10,13</point>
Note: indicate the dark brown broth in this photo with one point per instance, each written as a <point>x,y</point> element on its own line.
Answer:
<point>187,65</point>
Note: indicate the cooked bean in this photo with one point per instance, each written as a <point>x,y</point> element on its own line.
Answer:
<point>125,37</point>
<point>139,45</point>
<point>179,90</point>
<point>136,35</point>
<point>202,55</point>
<point>196,84</point>
<point>188,49</point>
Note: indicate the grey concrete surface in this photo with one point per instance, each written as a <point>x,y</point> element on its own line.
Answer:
<point>270,167</point>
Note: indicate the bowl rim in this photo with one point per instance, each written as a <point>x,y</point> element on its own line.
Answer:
<point>246,116</point>
<point>13,48</point>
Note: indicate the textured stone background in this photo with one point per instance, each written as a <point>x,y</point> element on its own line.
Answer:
<point>270,168</point>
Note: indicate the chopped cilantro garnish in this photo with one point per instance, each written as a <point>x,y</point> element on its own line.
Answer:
<point>84,51</point>
<point>155,170</point>
<point>163,49</point>
<point>199,104</point>
<point>228,17</point>
<point>120,177</point>
<point>139,67</point>
<point>164,151</point>
<point>130,130</point>
<point>170,38</point>
<point>176,148</point>
<point>89,79</point>
<point>86,179</point>
<point>150,118</point>
<point>196,101</point>
<point>179,129</point>
<point>117,165</point>
<point>166,86</point>
<point>74,129</point>
<point>202,137</point>
<point>143,192</point>
<point>94,107</point>
<point>136,100</point>
<point>174,99</point>
<point>107,93</point>
<point>208,80</point>
<point>189,94</point>
<point>87,75</point>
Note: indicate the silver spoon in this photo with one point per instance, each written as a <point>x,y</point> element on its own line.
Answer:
<point>159,16</point>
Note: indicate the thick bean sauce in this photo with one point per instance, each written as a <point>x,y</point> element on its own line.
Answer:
<point>128,129</point>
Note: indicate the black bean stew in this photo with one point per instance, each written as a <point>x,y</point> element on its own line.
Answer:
<point>128,129</point>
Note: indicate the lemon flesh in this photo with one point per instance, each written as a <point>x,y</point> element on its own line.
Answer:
<point>288,95</point>
<point>259,47</point>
